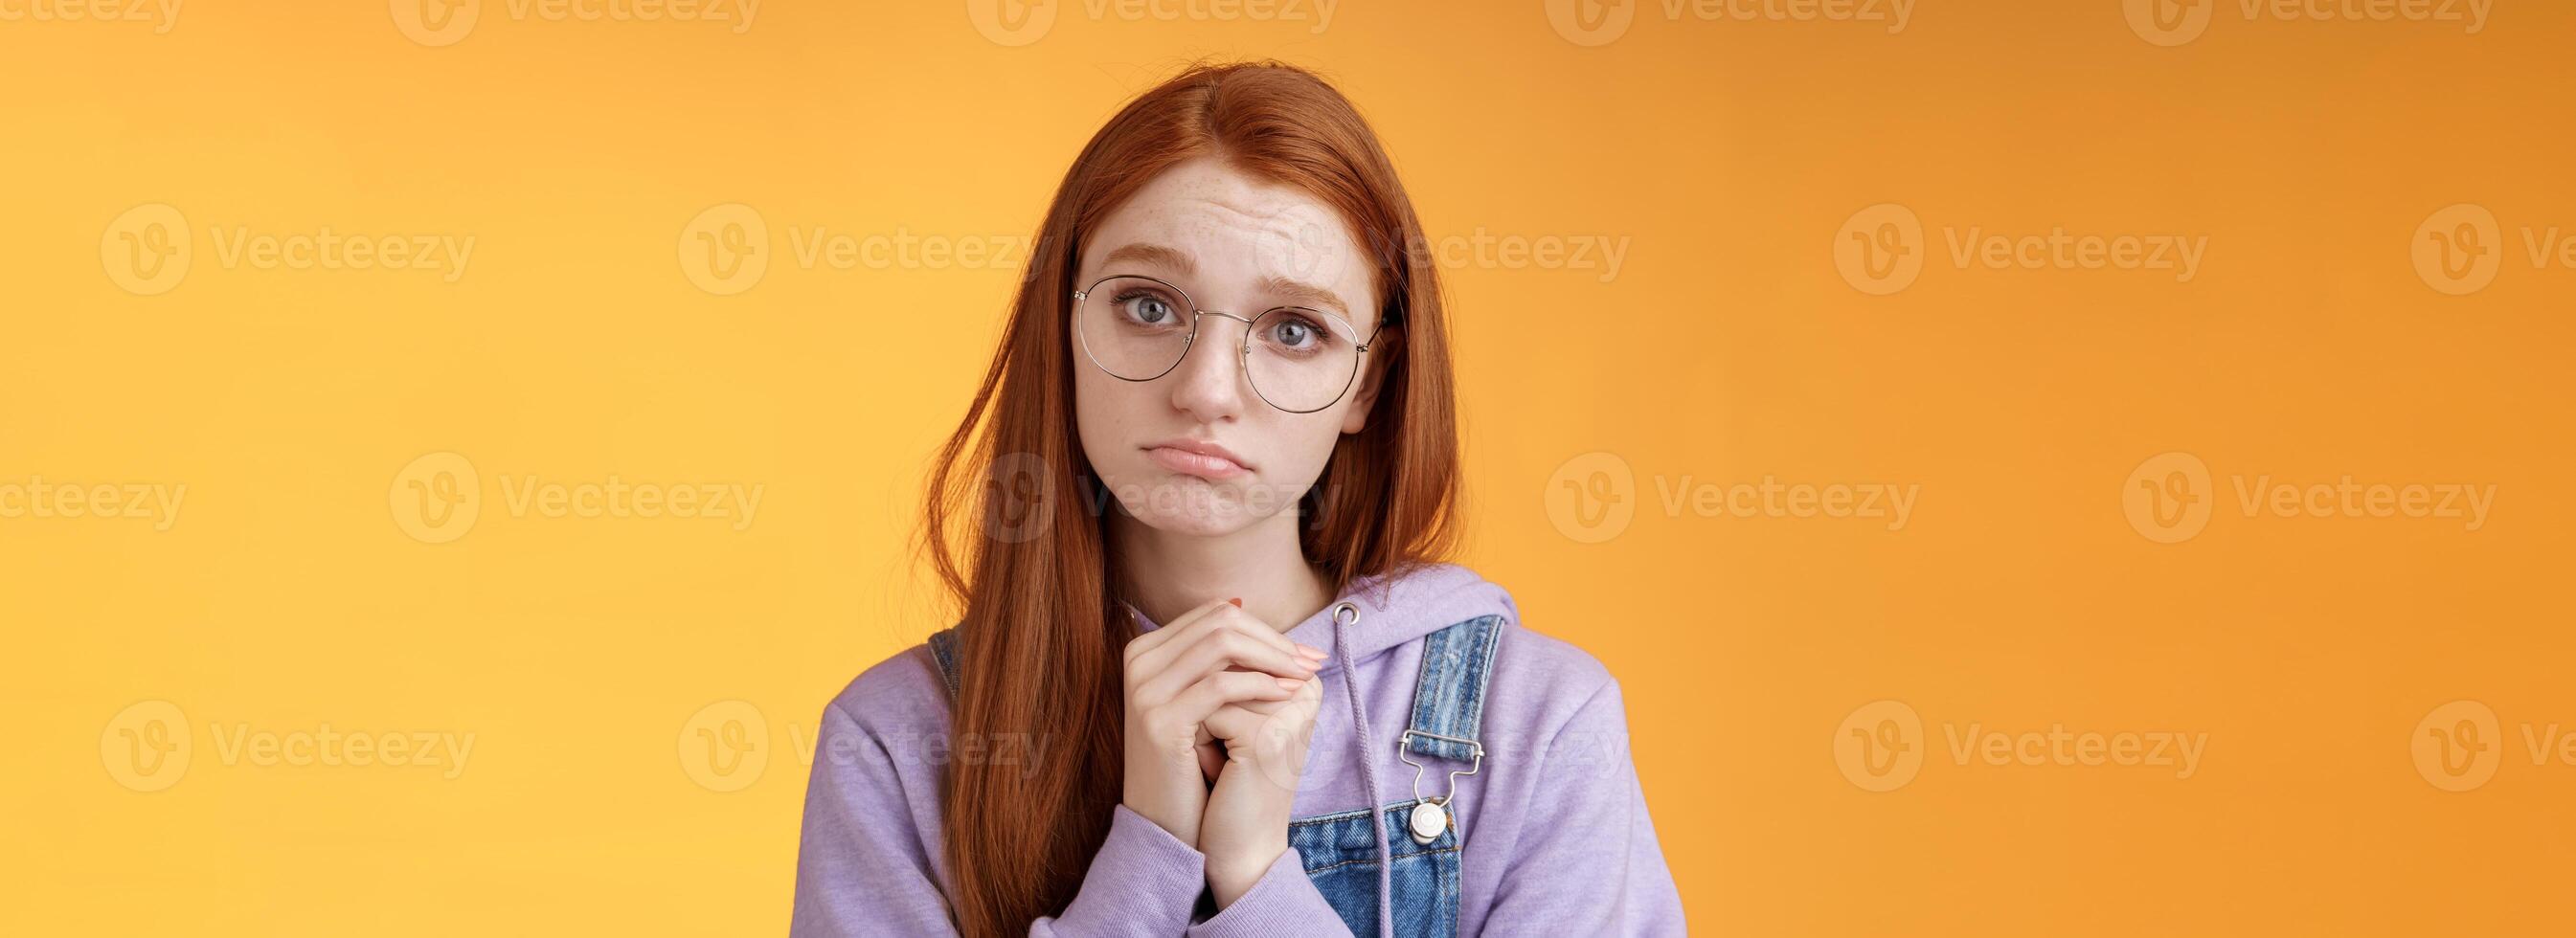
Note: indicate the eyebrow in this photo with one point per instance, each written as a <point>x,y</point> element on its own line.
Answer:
<point>1154,254</point>
<point>1305,294</point>
<point>1294,293</point>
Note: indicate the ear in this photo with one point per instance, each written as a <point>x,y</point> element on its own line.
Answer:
<point>1364,397</point>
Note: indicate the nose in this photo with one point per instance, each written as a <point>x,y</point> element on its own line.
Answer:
<point>1209,383</point>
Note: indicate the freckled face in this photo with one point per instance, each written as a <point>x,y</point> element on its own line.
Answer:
<point>1240,245</point>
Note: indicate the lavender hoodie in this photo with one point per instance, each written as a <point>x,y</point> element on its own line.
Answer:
<point>1553,830</point>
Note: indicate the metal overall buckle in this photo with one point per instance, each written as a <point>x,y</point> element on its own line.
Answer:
<point>1431,816</point>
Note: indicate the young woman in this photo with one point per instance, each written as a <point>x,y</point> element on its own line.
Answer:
<point>1210,677</point>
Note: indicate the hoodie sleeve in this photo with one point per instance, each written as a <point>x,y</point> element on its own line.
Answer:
<point>1282,902</point>
<point>1593,820</point>
<point>864,867</point>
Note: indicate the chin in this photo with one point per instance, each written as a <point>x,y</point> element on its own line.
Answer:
<point>1177,503</point>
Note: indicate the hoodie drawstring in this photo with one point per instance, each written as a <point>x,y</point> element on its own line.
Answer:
<point>1368,766</point>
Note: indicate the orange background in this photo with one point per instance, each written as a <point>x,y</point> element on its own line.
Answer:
<point>291,589</point>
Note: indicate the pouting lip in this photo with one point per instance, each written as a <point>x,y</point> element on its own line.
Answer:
<point>1201,447</point>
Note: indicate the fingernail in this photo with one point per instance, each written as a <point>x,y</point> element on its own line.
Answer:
<point>1309,650</point>
<point>1238,603</point>
<point>1290,684</point>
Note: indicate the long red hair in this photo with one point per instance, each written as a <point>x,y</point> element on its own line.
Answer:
<point>1013,519</point>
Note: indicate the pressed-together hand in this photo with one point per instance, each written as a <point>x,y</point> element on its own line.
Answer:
<point>1180,675</point>
<point>1246,825</point>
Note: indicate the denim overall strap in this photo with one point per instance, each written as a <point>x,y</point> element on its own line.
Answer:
<point>1449,697</point>
<point>943,646</point>
<point>1415,890</point>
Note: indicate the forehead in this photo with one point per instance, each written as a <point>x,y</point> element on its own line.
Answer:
<point>1236,230</point>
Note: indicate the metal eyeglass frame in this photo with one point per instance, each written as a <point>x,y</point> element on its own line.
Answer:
<point>1190,340</point>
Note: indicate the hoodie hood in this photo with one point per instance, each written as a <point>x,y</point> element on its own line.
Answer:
<point>1397,608</point>
<point>1373,629</point>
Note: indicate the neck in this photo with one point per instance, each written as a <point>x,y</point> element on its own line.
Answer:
<point>1170,574</point>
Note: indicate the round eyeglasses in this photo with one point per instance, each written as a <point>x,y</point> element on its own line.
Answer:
<point>1297,359</point>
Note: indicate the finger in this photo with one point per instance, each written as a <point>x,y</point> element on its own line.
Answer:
<point>1235,724</point>
<point>1153,652</point>
<point>1238,725</point>
<point>1145,644</point>
<point>1312,692</point>
<point>1293,718</point>
<point>1227,618</point>
<point>1218,652</point>
<point>1192,706</point>
<point>1263,707</point>
<point>1196,626</point>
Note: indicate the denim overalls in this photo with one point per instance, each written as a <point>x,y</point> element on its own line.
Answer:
<point>1339,850</point>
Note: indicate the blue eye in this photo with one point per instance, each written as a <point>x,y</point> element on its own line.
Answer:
<point>1295,333</point>
<point>1292,333</point>
<point>1147,308</point>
